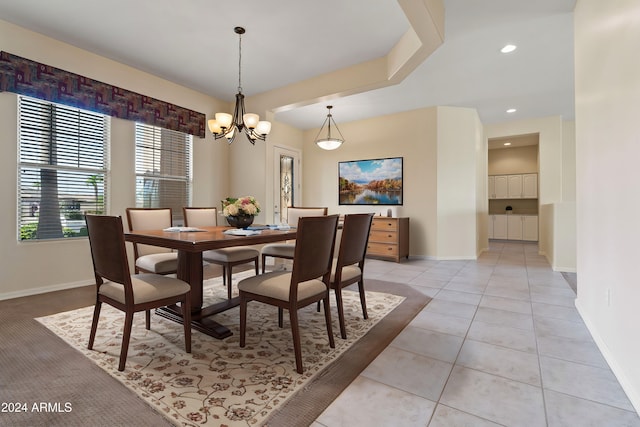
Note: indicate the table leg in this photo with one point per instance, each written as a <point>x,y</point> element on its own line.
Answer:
<point>190,270</point>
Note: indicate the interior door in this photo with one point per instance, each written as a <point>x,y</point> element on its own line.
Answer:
<point>287,183</point>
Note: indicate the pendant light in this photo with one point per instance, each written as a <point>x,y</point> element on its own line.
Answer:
<point>228,126</point>
<point>329,142</point>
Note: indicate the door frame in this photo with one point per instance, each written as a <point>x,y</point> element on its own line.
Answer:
<point>279,150</point>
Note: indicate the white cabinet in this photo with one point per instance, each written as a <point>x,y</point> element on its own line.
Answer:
<point>530,228</point>
<point>492,187</point>
<point>500,189</point>
<point>513,227</point>
<point>517,186</point>
<point>530,186</point>
<point>514,186</point>
<point>497,226</point>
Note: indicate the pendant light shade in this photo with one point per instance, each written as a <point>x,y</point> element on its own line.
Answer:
<point>328,141</point>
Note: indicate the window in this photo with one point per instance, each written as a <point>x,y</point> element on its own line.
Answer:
<point>63,156</point>
<point>163,169</point>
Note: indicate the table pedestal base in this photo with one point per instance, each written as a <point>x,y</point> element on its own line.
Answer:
<point>200,319</point>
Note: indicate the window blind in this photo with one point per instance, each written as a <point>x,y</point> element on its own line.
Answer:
<point>163,169</point>
<point>63,165</point>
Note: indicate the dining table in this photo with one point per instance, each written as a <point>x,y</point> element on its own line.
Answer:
<point>190,243</point>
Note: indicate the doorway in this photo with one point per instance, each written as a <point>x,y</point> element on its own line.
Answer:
<point>287,182</point>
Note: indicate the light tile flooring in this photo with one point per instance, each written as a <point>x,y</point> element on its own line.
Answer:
<point>500,344</point>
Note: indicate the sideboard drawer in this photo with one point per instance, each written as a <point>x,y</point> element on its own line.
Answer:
<point>384,224</point>
<point>381,249</point>
<point>389,238</point>
<point>383,236</point>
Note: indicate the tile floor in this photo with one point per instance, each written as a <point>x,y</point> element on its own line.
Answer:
<point>500,344</point>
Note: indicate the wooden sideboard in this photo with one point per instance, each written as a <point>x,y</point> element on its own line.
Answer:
<point>389,238</point>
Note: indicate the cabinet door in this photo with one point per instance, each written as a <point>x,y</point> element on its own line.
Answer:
<point>492,219</point>
<point>514,186</point>
<point>530,228</point>
<point>514,227</point>
<point>499,226</point>
<point>530,186</point>
<point>492,187</point>
<point>500,187</point>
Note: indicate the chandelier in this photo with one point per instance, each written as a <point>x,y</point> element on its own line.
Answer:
<point>329,142</point>
<point>228,126</point>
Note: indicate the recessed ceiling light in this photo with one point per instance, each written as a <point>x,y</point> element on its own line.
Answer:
<point>508,48</point>
<point>511,110</point>
<point>507,143</point>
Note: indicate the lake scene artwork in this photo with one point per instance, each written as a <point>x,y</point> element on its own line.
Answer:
<point>370,182</point>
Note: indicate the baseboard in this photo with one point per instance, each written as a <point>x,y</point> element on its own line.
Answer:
<point>457,258</point>
<point>422,258</point>
<point>564,269</point>
<point>44,290</point>
<point>632,393</point>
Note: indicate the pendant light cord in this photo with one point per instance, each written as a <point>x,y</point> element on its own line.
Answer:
<point>240,62</point>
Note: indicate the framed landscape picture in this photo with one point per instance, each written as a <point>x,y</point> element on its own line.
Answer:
<point>370,182</point>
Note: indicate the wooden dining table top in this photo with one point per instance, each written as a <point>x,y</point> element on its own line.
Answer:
<point>206,239</point>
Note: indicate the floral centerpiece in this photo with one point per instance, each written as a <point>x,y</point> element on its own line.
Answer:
<point>240,211</point>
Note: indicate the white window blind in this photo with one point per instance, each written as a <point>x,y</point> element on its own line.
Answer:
<point>63,157</point>
<point>163,169</point>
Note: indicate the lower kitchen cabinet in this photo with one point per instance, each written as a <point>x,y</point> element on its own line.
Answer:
<point>513,227</point>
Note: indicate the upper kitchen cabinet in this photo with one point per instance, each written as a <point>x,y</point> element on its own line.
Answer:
<point>516,186</point>
<point>498,187</point>
<point>530,186</point>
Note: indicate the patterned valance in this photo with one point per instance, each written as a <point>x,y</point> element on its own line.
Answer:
<point>26,77</point>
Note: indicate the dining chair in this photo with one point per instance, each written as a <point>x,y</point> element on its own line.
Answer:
<point>226,257</point>
<point>285,250</point>
<point>152,259</point>
<point>116,286</point>
<point>307,283</point>
<point>348,267</point>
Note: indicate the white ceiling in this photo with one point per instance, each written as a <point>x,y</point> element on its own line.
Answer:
<point>192,43</point>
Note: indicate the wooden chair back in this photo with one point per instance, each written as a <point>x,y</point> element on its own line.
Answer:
<point>108,251</point>
<point>313,256</point>
<point>143,292</point>
<point>355,236</point>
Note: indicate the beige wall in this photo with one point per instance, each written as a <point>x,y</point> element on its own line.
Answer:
<point>504,161</point>
<point>607,198</point>
<point>440,146</point>
<point>459,131</point>
<point>411,135</point>
<point>32,267</point>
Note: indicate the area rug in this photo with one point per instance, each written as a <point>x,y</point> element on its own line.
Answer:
<point>219,383</point>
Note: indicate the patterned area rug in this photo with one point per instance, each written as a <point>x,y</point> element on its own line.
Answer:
<point>219,383</point>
